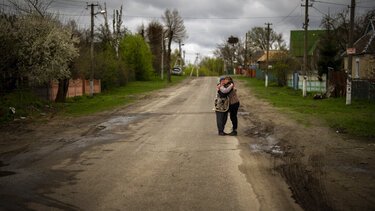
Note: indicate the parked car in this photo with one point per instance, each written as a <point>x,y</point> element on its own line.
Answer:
<point>177,70</point>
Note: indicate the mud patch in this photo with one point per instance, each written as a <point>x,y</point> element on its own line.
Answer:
<point>307,185</point>
<point>5,173</point>
<point>305,180</point>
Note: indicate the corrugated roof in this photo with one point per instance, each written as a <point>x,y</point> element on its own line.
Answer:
<point>297,41</point>
<point>366,44</point>
<point>272,56</point>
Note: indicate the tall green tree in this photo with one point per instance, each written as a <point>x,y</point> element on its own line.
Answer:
<point>329,48</point>
<point>154,34</point>
<point>215,65</point>
<point>137,56</point>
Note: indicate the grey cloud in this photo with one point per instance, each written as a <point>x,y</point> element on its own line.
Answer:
<point>209,22</point>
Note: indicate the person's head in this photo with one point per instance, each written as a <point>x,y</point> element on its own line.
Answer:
<point>222,81</point>
<point>228,80</point>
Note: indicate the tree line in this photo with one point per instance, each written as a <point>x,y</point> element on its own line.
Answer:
<point>333,43</point>
<point>38,48</point>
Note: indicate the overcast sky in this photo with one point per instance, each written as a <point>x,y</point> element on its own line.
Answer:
<point>209,22</point>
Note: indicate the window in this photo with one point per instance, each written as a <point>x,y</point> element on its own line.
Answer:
<point>357,67</point>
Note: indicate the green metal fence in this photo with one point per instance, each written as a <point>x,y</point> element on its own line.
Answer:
<point>363,89</point>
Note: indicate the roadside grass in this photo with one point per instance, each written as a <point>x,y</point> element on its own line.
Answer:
<point>110,99</point>
<point>356,119</point>
<point>25,103</point>
<point>32,107</point>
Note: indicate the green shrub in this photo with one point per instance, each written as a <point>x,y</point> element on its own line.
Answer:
<point>137,56</point>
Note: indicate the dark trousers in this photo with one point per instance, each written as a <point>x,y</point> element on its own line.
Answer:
<point>233,109</point>
<point>221,120</point>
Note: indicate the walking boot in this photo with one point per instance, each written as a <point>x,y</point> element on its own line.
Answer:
<point>233,133</point>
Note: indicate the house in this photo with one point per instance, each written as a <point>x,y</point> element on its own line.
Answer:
<point>363,64</point>
<point>296,47</point>
<point>274,56</point>
<point>363,60</point>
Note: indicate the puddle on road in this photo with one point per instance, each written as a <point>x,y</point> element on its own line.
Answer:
<point>119,121</point>
<point>268,145</point>
<point>242,113</point>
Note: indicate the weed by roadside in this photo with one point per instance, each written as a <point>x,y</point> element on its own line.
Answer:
<point>356,119</point>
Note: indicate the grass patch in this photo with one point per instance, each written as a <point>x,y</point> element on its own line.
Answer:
<point>34,108</point>
<point>26,104</point>
<point>110,99</point>
<point>357,119</point>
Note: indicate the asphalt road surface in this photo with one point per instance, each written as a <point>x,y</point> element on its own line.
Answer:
<point>161,153</point>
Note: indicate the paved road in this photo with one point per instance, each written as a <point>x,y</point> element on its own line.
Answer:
<point>162,153</point>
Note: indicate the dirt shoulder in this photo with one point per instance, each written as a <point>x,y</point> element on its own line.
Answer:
<point>325,170</point>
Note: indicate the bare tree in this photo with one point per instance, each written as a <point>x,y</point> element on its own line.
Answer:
<point>117,22</point>
<point>175,31</point>
<point>113,38</point>
<point>258,39</point>
<point>105,34</point>
<point>39,7</point>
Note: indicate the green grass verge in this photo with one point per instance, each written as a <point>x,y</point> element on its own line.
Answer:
<point>110,99</point>
<point>26,104</point>
<point>357,119</point>
<point>34,108</point>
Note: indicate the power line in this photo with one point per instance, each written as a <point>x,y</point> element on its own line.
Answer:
<point>319,10</point>
<point>289,14</point>
<point>325,2</point>
<point>339,4</point>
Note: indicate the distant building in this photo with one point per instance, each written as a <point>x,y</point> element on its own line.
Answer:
<point>297,46</point>
<point>274,56</point>
<point>363,60</point>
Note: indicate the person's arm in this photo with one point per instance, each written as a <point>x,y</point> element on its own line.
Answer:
<point>226,90</point>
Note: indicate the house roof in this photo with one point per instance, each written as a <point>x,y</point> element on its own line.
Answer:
<point>297,41</point>
<point>366,44</point>
<point>273,56</point>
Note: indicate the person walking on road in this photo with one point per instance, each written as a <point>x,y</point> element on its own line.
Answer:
<point>234,104</point>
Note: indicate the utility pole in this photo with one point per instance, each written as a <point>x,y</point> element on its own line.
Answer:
<point>246,51</point>
<point>268,49</point>
<point>162,56</point>
<point>305,26</point>
<point>92,49</point>
<point>183,62</point>
<point>196,63</point>
<point>349,74</point>
<point>180,54</point>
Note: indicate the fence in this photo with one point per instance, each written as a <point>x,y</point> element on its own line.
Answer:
<point>363,89</point>
<point>313,83</point>
<point>260,75</point>
<point>77,87</point>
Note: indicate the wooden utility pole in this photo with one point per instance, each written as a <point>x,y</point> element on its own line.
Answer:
<point>92,49</point>
<point>246,52</point>
<point>350,58</point>
<point>268,49</point>
<point>305,26</point>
